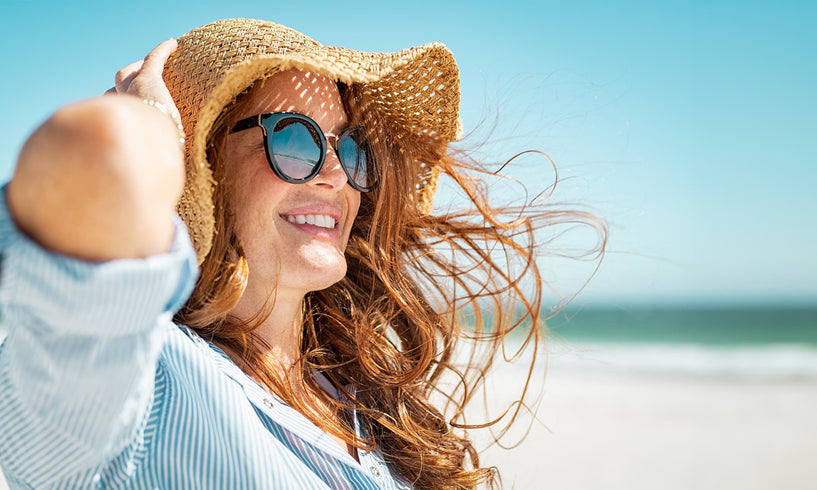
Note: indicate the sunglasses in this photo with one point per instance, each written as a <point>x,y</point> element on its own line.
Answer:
<point>296,149</point>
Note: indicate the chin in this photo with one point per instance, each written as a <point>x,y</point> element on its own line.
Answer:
<point>318,275</point>
<point>328,279</point>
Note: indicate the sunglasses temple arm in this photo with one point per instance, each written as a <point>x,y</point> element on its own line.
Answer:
<point>250,122</point>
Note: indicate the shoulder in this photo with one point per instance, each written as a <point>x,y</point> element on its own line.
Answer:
<point>186,356</point>
<point>198,367</point>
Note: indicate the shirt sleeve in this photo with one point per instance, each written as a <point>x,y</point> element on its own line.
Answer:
<point>78,363</point>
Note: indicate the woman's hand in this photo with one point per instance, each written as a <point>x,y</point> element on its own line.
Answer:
<point>143,78</point>
<point>100,179</point>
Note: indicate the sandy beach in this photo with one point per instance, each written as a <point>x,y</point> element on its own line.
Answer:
<point>612,429</point>
<point>641,431</point>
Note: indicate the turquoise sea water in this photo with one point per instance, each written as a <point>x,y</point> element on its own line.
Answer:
<point>748,343</point>
<point>709,327</point>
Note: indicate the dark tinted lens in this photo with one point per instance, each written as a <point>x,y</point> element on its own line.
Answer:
<point>356,156</point>
<point>296,147</point>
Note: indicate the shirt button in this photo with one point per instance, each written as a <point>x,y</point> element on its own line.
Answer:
<point>375,471</point>
<point>268,402</point>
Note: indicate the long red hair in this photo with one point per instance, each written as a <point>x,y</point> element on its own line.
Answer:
<point>387,334</point>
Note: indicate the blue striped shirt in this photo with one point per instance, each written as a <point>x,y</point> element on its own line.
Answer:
<point>100,389</point>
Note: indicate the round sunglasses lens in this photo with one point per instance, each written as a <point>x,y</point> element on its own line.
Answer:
<point>296,147</point>
<point>356,156</point>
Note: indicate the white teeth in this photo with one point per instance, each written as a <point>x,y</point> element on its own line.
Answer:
<point>320,220</point>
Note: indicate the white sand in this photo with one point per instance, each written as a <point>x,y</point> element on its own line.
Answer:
<point>641,431</point>
<point>612,430</point>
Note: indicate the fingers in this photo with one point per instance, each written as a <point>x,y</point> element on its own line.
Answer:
<point>143,78</point>
<point>125,76</point>
<point>154,62</point>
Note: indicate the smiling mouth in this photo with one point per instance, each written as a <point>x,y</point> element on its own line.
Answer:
<point>319,220</point>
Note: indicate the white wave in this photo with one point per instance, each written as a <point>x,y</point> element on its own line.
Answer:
<point>773,361</point>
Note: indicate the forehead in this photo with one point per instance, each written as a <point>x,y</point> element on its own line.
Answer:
<point>302,92</point>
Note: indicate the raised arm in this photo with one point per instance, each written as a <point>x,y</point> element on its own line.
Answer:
<point>100,179</point>
<point>93,265</point>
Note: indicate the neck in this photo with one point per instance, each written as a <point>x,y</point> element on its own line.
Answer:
<point>281,328</point>
<point>281,331</point>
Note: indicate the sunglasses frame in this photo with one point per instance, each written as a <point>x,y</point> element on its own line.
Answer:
<point>258,121</point>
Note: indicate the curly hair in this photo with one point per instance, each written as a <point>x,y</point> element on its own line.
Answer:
<point>387,334</point>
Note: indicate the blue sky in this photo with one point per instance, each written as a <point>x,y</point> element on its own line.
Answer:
<point>691,128</point>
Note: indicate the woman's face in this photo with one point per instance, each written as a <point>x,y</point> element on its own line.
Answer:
<point>294,258</point>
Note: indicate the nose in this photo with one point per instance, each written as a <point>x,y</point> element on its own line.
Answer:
<point>332,173</point>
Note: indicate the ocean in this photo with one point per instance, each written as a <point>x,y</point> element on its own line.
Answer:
<point>751,343</point>
<point>710,327</point>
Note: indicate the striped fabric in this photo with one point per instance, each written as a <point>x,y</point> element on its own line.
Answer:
<point>100,389</point>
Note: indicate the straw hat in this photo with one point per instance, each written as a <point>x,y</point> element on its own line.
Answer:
<point>415,90</point>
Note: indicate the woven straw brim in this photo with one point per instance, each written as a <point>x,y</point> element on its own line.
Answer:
<point>415,91</point>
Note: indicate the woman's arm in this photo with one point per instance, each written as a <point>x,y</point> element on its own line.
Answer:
<point>93,265</point>
<point>100,179</point>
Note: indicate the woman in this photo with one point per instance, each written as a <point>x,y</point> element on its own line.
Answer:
<point>306,348</point>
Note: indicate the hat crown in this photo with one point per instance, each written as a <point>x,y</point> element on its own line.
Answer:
<point>208,52</point>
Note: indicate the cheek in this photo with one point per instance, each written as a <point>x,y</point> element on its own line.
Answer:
<point>352,197</point>
<point>251,208</point>
<point>254,188</point>
<point>256,205</point>
<point>353,201</point>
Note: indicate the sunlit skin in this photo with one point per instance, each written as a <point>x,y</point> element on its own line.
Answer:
<point>287,260</point>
